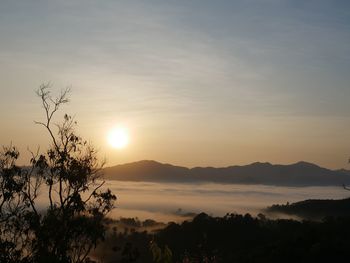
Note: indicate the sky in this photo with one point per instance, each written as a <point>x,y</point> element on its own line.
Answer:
<point>195,82</point>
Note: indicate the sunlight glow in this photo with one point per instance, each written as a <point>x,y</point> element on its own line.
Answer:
<point>118,138</point>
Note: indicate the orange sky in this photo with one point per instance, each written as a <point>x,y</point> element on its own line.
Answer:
<point>196,83</point>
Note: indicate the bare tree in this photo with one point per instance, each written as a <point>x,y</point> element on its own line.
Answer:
<point>69,177</point>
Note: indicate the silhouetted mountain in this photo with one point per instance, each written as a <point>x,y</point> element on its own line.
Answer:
<point>343,171</point>
<point>314,209</point>
<point>146,171</point>
<point>298,174</point>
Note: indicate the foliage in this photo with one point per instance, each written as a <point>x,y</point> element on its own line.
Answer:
<point>235,238</point>
<point>313,209</point>
<point>161,255</point>
<point>13,205</point>
<point>69,175</point>
<point>243,238</point>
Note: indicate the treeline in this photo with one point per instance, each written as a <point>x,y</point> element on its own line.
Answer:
<point>234,238</point>
<point>314,209</point>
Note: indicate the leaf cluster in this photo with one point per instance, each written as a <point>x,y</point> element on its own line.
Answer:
<point>53,210</point>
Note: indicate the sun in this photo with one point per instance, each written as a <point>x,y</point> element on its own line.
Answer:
<point>118,138</point>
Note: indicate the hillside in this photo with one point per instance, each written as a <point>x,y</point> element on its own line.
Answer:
<point>314,209</point>
<point>298,174</point>
<point>233,238</point>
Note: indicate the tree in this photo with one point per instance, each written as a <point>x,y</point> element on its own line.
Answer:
<point>69,175</point>
<point>13,205</point>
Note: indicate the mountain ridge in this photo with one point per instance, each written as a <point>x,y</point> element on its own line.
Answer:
<point>297,174</point>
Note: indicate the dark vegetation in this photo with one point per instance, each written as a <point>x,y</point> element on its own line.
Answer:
<point>298,174</point>
<point>127,240</point>
<point>67,175</point>
<point>233,238</point>
<point>314,209</point>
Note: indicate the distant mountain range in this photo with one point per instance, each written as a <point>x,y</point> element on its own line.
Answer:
<point>298,174</point>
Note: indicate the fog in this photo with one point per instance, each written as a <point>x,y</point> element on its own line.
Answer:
<point>166,202</point>
<point>162,201</point>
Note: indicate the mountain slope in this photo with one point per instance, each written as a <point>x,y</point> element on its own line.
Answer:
<point>314,209</point>
<point>146,171</point>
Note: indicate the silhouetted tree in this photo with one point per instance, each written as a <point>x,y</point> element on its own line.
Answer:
<point>68,175</point>
<point>160,255</point>
<point>13,205</point>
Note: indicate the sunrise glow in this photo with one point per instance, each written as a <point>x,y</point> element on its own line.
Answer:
<point>118,138</point>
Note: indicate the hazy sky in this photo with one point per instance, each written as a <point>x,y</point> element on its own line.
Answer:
<point>195,82</point>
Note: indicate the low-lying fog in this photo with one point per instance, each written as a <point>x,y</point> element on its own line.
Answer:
<point>166,202</point>
<point>171,202</point>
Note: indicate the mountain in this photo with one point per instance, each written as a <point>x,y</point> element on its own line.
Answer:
<point>146,171</point>
<point>313,208</point>
<point>298,174</point>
